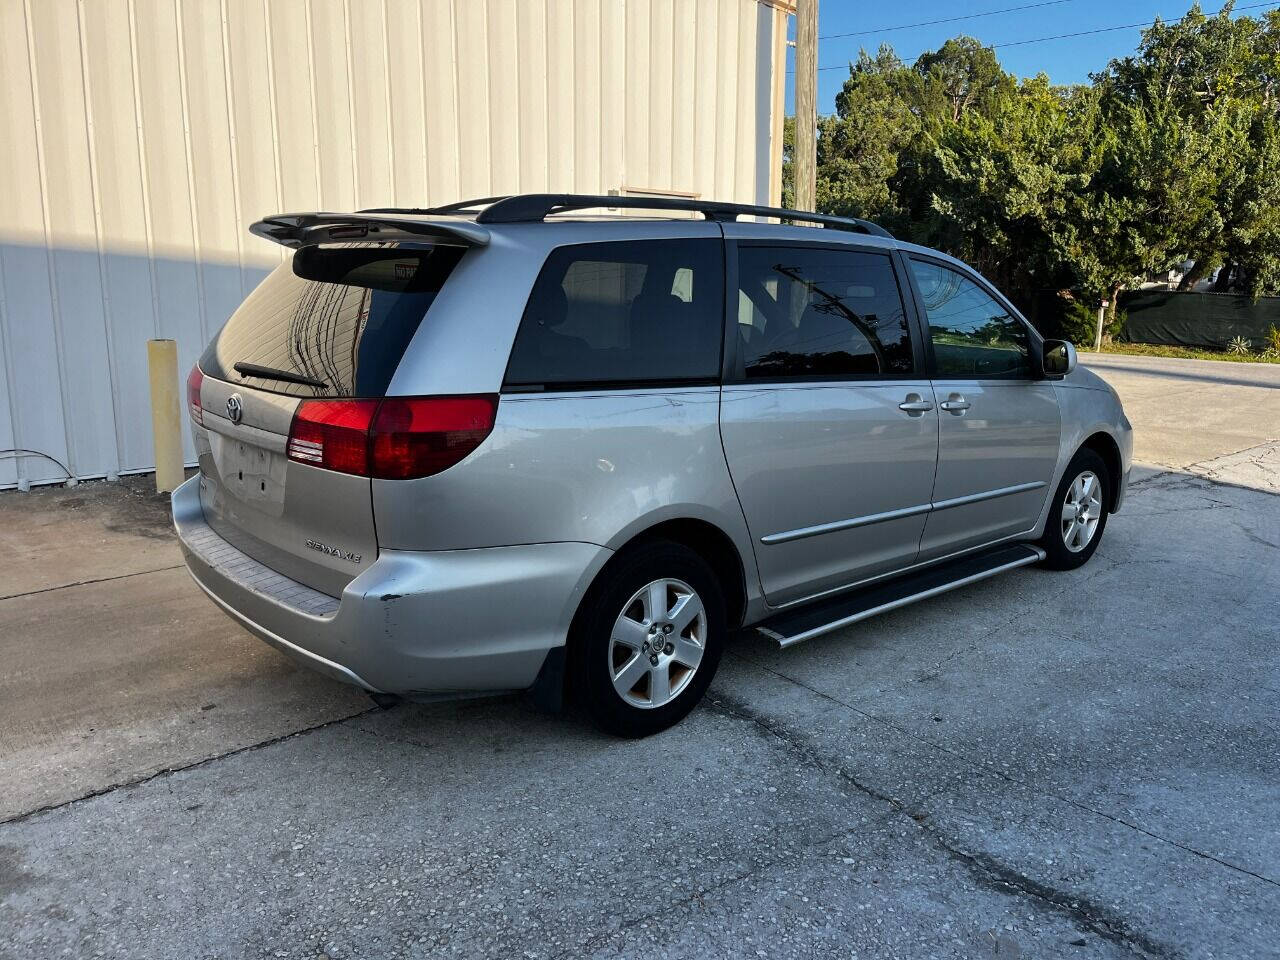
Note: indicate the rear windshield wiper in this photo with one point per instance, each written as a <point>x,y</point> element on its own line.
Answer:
<point>272,373</point>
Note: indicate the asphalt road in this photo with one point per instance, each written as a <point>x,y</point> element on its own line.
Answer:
<point>1046,765</point>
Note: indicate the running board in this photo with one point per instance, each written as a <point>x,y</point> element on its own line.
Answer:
<point>823,616</point>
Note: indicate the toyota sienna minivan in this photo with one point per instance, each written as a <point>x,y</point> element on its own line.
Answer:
<point>503,445</point>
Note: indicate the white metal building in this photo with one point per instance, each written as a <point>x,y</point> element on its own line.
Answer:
<point>142,137</point>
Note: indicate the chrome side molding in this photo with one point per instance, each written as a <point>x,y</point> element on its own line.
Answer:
<point>802,532</point>
<point>990,494</point>
<point>835,525</point>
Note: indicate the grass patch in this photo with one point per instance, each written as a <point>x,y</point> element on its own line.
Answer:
<point>1184,353</point>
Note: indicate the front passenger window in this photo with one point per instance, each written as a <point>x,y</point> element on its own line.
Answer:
<point>973,336</point>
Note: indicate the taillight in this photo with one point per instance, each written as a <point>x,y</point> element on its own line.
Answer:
<point>398,438</point>
<point>194,379</point>
<point>421,436</point>
<point>333,434</point>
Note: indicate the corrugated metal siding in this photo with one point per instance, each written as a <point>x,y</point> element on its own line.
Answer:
<point>142,137</point>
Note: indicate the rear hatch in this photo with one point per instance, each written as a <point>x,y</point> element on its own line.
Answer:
<point>333,322</point>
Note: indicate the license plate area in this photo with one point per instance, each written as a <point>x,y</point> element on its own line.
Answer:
<point>251,474</point>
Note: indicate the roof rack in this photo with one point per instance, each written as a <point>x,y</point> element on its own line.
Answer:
<point>460,206</point>
<point>533,207</point>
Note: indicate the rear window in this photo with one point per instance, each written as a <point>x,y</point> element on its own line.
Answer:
<point>626,313</point>
<point>333,322</point>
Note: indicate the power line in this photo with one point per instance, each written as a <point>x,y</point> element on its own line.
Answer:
<point>1127,26</point>
<point>931,23</point>
<point>1064,36</point>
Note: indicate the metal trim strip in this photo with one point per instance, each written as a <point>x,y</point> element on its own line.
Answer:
<point>802,532</point>
<point>1035,556</point>
<point>821,528</point>
<point>989,495</point>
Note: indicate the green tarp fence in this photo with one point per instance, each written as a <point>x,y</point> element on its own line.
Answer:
<point>1197,319</point>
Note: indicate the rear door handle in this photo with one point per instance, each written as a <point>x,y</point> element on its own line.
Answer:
<point>955,404</point>
<point>915,406</point>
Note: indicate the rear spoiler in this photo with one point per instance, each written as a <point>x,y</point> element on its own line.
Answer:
<point>306,229</point>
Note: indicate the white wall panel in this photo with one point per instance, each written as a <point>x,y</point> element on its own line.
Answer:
<point>142,137</point>
<point>576,77</point>
<point>407,106</point>
<point>39,418</point>
<point>69,209</point>
<point>559,135</point>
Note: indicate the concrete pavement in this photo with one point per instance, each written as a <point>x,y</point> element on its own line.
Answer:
<point>116,666</point>
<point>1194,411</point>
<point>1049,765</point>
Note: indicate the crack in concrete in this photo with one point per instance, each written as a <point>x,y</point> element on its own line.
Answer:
<point>1214,505</point>
<point>987,870</point>
<point>1096,918</point>
<point>698,896</point>
<point>169,771</point>
<point>81,583</point>
<point>995,771</point>
<point>935,671</point>
<point>1254,537</point>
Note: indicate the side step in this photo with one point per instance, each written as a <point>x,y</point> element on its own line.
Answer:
<point>832,613</point>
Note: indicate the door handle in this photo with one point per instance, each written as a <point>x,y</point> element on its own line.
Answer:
<point>955,404</point>
<point>915,406</point>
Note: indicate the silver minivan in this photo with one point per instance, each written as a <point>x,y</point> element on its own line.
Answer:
<point>503,445</point>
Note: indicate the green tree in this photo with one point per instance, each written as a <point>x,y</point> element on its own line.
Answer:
<point>1171,153</point>
<point>998,180</point>
<point>959,78</point>
<point>859,145</point>
<point>1213,85</point>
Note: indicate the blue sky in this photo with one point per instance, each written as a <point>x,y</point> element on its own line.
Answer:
<point>1067,60</point>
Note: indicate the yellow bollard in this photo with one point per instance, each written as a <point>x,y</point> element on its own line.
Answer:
<point>166,416</point>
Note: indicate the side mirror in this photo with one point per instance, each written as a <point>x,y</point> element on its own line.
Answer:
<point>1057,359</point>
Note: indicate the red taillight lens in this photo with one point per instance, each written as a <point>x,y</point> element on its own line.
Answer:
<point>333,434</point>
<point>398,438</point>
<point>194,379</point>
<point>420,436</point>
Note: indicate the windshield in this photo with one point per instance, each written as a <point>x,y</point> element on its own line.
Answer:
<point>333,322</point>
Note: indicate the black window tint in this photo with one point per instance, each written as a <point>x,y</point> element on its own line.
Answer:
<point>809,312</point>
<point>626,313</point>
<point>337,316</point>
<point>972,334</point>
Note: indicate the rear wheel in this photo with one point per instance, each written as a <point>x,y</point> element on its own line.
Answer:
<point>1079,512</point>
<point>648,639</point>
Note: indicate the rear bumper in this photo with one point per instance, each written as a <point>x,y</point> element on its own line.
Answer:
<point>413,623</point>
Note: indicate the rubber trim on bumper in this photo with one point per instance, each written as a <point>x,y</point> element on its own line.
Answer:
<point>313,660</point>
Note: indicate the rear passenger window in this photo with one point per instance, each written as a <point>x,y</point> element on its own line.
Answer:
<point>628,313</point>
<point>809,312</point>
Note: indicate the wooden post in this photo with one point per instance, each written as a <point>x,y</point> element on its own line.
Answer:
<point>1097,339</point>
<point>805,161</point>
<point>166,416</point>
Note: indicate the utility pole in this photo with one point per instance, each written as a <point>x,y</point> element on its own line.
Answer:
<point>805,161</point>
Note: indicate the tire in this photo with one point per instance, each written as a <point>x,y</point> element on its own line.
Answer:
<point>1069,539</point>
<point>612,672</point>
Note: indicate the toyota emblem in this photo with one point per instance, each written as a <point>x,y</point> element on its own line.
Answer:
<point>235,410</point>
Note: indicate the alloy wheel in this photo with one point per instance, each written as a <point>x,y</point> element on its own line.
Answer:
<point>1081,511</point>
<point>657,643</point>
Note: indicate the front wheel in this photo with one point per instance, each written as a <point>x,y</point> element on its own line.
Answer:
<point>1078,514</point>
<point>648,639</point>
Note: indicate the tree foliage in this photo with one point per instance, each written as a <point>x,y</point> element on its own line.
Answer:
<point>1168,155</point>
